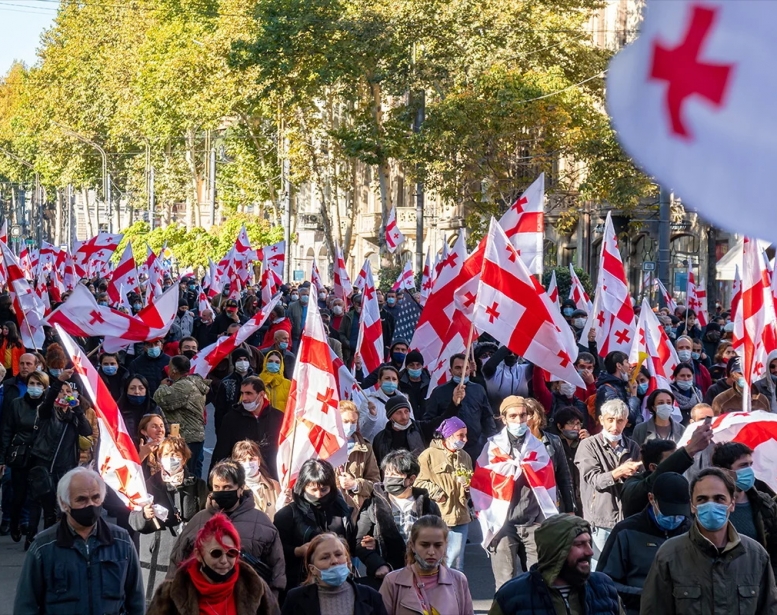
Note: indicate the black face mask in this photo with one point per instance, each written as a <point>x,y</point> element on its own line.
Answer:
<point>511,360</point>
<point>189,354</point>
<point>324,500</point>
<point>394,485</point>
<point>214,576</point>
<point>86,516</point>
<point>225,500</point>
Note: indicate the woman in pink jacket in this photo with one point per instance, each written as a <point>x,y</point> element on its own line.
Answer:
<point>426,586</point>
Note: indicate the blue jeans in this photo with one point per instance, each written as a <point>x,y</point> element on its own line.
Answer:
<point>457,543</point>
<point>195,463</point>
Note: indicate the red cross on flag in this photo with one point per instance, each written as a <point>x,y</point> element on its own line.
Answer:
<point>755,324</point>
<point>118,461</point>
<point>613,313</point>
<point>270,284</point>
<point>405,280</point>
<point>553,289</point>
<point>342,283</point>
<point>431,333</point>
<point>736,293</point>
<point>4,232</point>
<point>243,246</point>
<point>494,479</point>
<point>210,356</point>
<point>692,101</point>
<point>524,224</point>
<point>370,342</point>
<point>274,258</point>
<point>126,275</point>
<point>95,251</point>
<point>312,428</point>
<point>426,279</point>
<point>697,298</point>
<point>668,300</point>
<point>155,276</point>
<point>29,309</point>
<point>315,278</point>
<point>577,293</point>
<point>513,307</point>
<point>70,278</point>
<point>394,236</point>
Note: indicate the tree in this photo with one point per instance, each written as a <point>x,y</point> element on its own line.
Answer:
<point>564,281</point>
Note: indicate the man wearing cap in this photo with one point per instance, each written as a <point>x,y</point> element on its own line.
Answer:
<point>401,431</point>
<point>561,582</point>
<point>229,315</point>
<point>731,400</point>
<point>414,381</point>
<point>711,569</point>
<point>634,542</point>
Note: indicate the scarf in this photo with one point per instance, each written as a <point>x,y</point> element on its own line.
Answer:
<point>214,598</point>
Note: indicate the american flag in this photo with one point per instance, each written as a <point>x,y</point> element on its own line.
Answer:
<point>407,318</point>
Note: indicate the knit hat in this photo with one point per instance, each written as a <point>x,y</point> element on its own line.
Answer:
<point>414,357</point>
<point>396,403</point>
<point>240,353</point>
<point>450,426</point>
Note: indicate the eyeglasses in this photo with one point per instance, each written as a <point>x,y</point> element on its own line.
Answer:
<point>231,553</point>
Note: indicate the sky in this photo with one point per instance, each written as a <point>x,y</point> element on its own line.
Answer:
<point>23,21</point>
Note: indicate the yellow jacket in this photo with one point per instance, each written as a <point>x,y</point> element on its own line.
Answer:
<point>277,386</point>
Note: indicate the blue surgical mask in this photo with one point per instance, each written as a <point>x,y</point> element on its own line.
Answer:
<point>336,575</point>
<point>283,345</point>
<point>154,352</point>
<point>137,307</point>
<point>389,388</point>
<point>642,388</point>
<point>741,383</point>
<point>109,370</point>
<point>35,391</point>
<point>684,355</point>
<point>136,400</point>
<point>414,373</point>
<point>684,385</point>
<point>667,522</point>
<point>103,303</point>
<point>567,311</point>
<point>745,479</point>
<point>273,368</point>
<point>712,516</point>
<point>696,356</point>
<point>350,429</point>
<point>391,301</point>
<point>55,372</point>
<point>457,379</point>
<point>517,429</point>
<point>303,299</point>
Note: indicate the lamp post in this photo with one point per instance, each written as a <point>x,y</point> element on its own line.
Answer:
<point>106,176</point>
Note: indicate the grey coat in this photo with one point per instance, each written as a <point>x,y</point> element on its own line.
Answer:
<point>647,431</point>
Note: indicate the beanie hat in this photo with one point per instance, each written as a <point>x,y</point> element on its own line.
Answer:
<point>450,426</point>
<point>396,403</point>
<point>414,357</point>
<point>240,353</point>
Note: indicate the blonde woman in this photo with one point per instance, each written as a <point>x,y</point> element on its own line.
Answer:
<point>445,473</point>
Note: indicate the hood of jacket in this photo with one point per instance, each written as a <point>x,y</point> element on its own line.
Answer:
<point>605,378</point>
<point>554,538</point>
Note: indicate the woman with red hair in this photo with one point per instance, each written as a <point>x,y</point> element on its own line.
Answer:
<point>213,580</point>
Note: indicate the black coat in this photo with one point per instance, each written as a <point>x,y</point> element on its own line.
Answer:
<point>383,443</point>
<point>227,395</point>
<point>182,502</point>
<point>304,601</point>
<point>415,391</point>
<point>115,383</point>
<point>151,369</point>
<point>240,424</point>
<point>299,522</point>
<point>132,415</point>
<point>18,426</point>
<point>376,519</point>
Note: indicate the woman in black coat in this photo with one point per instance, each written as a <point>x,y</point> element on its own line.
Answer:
<point>135,403</point>
<point>316,507</point>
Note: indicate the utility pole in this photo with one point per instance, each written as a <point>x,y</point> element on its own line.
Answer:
<point>287,216</point>
<point>419,188</point>
<point>664,237</point>
<point>212,187</point>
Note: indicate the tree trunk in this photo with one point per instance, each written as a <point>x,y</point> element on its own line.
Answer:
<point>87,213</point>
<point>193,201</point>
<point>384,173</point>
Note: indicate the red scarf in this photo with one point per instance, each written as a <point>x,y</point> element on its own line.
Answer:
<point>215,598</point>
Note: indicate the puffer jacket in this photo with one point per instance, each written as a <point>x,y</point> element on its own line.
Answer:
<point>601,493</point>
<point>376,519</point>
<point>438,476</point>
<point>183,402</point>
<point>64,575</point>
<point>258,536</point>
<point>363,468</point>
<point>298,522</point>
<point>691,577</point>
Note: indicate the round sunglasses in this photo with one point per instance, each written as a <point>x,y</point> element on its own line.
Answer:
<point>231,553</point>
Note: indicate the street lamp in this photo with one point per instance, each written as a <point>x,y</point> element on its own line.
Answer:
<point>38,202</point>
<point>106,176</point>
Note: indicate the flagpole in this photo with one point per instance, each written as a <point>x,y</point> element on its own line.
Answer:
<point>291,452</point>
<point>24,314</point>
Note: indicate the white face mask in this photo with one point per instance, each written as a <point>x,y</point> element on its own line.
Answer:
<point>337,310</point>
<point>171,465</point>
<point>250,405</point>
<point>578,323</point>
<point>251,468</point>
<point>242,366</point>
<point>399,427</point>
<point>567,389</point>
<point>664,411</point>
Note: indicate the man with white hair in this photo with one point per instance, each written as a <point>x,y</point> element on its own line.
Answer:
<point>605,461</point>
<point>81,564</point>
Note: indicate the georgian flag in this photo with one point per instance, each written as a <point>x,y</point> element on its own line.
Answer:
<point>370,341</point>
<point>524,224</point>
<point>394,236</point>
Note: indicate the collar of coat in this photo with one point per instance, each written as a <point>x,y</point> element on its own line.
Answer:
<point>66,537</point>
<point>249,592</point>
<point>733,546</point>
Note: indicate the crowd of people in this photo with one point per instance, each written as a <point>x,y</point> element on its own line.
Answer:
<point>644,525</point>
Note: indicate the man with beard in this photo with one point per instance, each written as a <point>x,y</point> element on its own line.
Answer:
<point>561,582</point>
